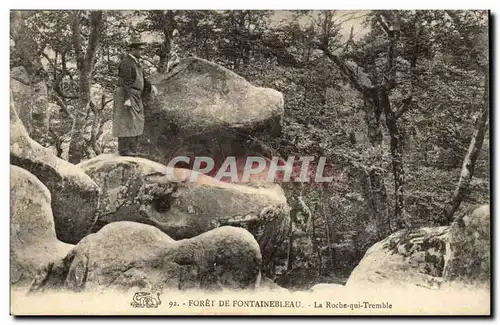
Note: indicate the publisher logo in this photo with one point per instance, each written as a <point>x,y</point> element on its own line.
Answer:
<point>145,300</point>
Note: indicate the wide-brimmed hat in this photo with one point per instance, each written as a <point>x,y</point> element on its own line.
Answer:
<point>135,41</point>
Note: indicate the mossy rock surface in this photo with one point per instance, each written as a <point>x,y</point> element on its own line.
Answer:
<point>470,245</point>
<point>132,257</point>
<point>137,189</point>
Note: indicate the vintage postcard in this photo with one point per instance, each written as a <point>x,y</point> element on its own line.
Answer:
<point>250,162</point>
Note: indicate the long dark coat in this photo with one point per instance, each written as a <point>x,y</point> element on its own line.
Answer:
<point>129,121</point>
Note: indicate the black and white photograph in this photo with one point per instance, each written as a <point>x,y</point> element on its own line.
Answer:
<point>250,162</point>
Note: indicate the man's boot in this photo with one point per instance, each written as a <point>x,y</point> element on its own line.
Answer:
<point>124,146</point>
<point>133,144</point>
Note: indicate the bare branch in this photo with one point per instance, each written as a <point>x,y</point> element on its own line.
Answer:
<point>350,39</point>
<point>60,77</point>
<point>344,45</point>
<point>49,60</point>
<point>470,159</point>
<point>63,106</point>
<point>414,57</point>
<point>390,81</point>
<point>77,40</point>
<point>95,33</point>
<point>345,70</point>
<point>383,25</point>
<point>92,107</point>
<point>107,102</point>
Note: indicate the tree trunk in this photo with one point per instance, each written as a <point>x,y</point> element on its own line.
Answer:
<point>293,218</point>
<point>481,123</point>
<point>57,142</point>
<point>372,179</point>
<point>330,248</point>
<point>85,65</point>
<point>379,195</point>
<point>27,50</point>
<point>329,234</point>
<point>97,126</point>
<point>372,120</point>
<point>195,27</point>
<point>397,160</point>
<point>377,97</point>
<point>290,258</point>
<point>315,245</point>
<point>77,142</point>
<point>109,62</point>
<point>165,52</point>
<point>469,163</point>
<point>164,55</point>
<point>374,191</point>
<point>26,47</point>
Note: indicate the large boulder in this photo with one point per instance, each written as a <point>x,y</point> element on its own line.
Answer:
<point>205,109</point>
<point>74,194</point>
<point>33,241</point>
<point>469,247</point>
<point>456,255</point>
<point>128,256</point>
<point>404,259</point>
<point>137,189</point>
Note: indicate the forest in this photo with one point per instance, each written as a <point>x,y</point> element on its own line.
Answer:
<point>397,101</point>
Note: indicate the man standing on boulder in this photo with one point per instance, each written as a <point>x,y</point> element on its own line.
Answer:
<point>128,109</point>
